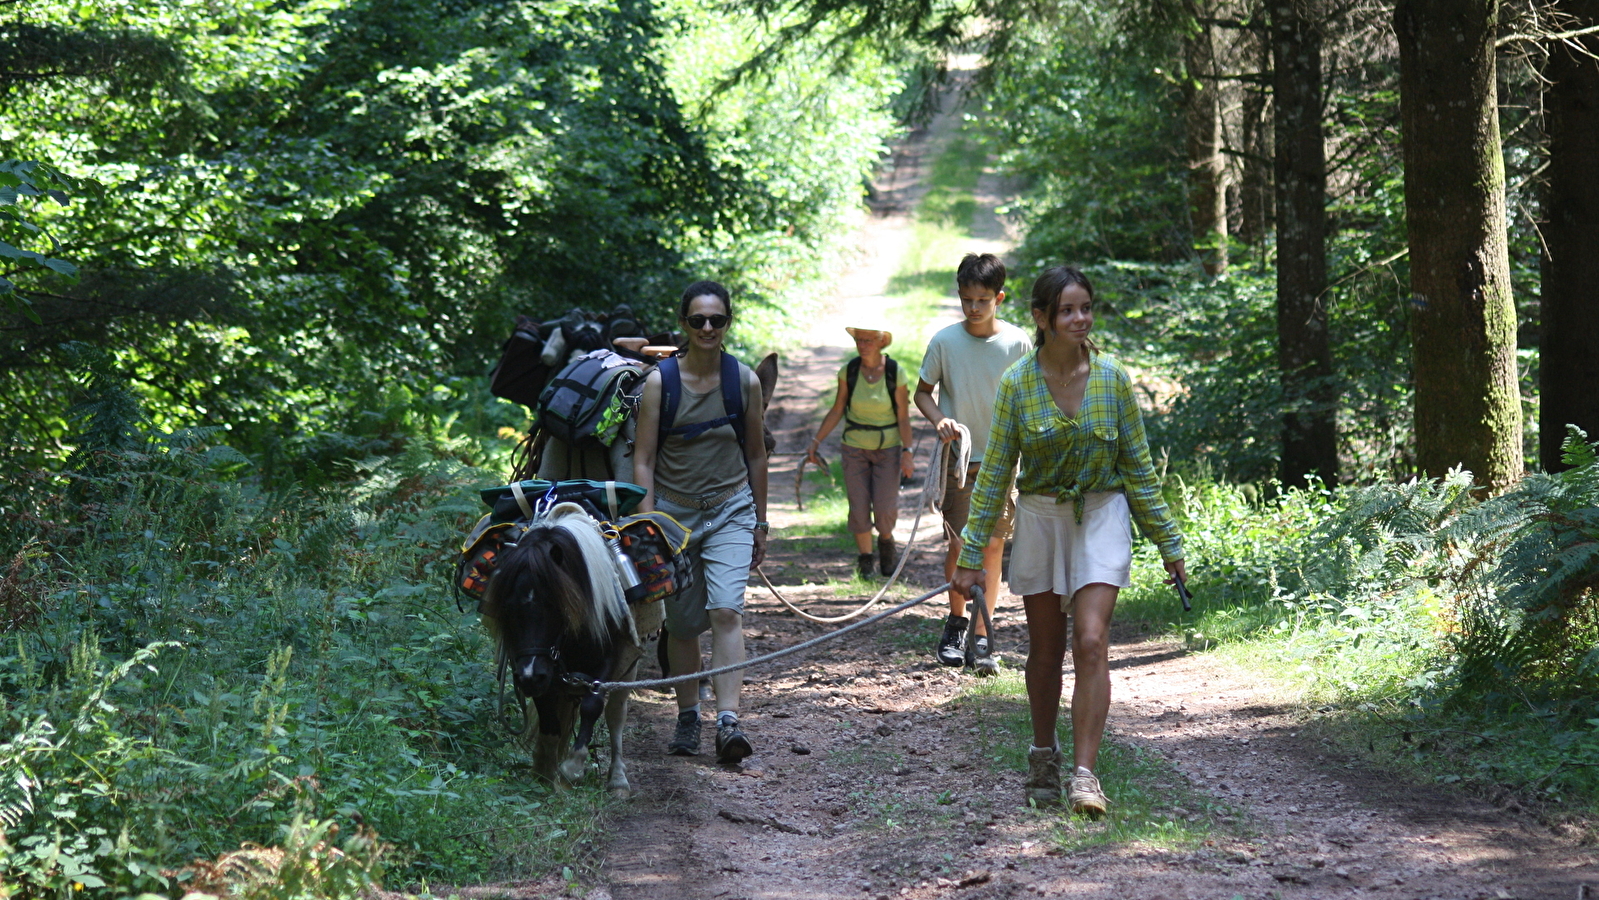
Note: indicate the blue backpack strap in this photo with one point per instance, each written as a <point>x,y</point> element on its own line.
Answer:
<point>733,395</point>
<point>732,401</point>
<point>671,393</point>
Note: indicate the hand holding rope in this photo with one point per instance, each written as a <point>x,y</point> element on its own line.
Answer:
<point>940,457</point>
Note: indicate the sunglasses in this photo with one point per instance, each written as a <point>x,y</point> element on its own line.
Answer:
<point>697,322</point>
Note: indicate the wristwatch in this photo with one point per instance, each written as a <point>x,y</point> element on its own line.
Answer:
<point>764,526</point>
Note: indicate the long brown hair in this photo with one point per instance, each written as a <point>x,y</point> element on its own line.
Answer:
<point>1046,297</point>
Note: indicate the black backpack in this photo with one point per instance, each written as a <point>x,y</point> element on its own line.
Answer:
<point>521,372</point>
<point>586,402</point>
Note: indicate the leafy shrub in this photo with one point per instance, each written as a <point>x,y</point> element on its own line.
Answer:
<point>1465,627</point>
<point>315,670</point>
<point>1537,626</point>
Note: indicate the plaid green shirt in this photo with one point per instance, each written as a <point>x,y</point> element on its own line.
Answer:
<point>1103,449</point>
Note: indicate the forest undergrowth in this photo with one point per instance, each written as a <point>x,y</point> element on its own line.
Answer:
<point>195,666</point>
<point>1423,629</point>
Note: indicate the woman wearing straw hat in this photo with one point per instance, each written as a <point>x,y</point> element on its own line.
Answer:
<point>874,404</point>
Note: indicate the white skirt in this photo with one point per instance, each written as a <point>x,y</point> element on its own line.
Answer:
<point>1051,553</point>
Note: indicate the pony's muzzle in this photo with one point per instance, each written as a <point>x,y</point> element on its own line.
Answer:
<point>537,673</point>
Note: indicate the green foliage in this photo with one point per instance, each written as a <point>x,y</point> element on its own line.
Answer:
<point>19,179</point>
<point>1468,627</point>
<point>67,818</point>
<point>1081,111</point>
<point>1537,630</point>
<point>313,672</point>
<point>317,219</point>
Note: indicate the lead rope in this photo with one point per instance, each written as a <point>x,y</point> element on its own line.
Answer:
<point>601,687</point>
<point>932,496</point>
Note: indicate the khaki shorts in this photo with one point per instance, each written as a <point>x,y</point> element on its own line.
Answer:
<point>957,505</point>
<point>720,547</point>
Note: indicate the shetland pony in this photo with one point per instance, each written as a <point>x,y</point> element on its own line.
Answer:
<point>560,623</point>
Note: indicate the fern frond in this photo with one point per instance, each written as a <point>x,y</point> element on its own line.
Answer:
<point>1575,451</point>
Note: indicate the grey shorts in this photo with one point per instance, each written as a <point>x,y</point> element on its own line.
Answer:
<point>721,546</point>
<point>957,505</point>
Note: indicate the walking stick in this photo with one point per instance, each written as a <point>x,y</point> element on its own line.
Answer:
<point>799,478</point>
<point>1182,592</point>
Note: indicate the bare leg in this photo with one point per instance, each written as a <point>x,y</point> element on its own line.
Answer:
<point>957,599</point>
<point>727,648</point>
<point>863,543</point>
<point>1046,636</point>
<point>684,655</point>
<point>1092,607</point>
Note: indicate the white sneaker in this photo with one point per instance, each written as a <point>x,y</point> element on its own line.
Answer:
<point>1085,795</point>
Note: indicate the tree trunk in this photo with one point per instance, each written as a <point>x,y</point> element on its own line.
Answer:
<point>1304,353</point>
<point>1569,368</point>
<point>1207,169</point>
<point>1255,196</point>
<point>1463,331</point>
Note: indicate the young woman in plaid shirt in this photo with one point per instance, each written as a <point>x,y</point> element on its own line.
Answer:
<point>1067,412</point>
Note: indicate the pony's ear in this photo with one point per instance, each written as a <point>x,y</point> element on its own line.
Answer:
<point>766,373</point>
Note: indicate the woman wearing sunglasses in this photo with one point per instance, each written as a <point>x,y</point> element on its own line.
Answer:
<point>698,470</point>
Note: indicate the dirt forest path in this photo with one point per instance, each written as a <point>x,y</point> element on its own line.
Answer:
<point>874,777</point>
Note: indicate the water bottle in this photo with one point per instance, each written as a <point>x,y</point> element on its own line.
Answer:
<point>624,567</point>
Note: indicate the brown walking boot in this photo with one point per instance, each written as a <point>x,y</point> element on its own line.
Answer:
<point>1043,776</point>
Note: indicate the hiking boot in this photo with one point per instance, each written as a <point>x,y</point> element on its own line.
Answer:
<point>952,646</point>
<point>886,555</point>
<point>863,565</point>
<point>983,661</point>
<point>1043,776</point>
<point>686,739</point>
<point>1085,795</point>
<point>731,744</point>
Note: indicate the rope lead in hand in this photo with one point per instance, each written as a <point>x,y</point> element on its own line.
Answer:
<point>939,459</point>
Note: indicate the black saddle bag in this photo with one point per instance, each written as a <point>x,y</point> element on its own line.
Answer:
<point>521,373</point>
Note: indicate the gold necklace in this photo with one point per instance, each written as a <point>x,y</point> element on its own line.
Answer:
<point>1066,379</point>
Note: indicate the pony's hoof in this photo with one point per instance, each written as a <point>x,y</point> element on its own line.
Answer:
<point>621,792</point>
<point>572,770</point>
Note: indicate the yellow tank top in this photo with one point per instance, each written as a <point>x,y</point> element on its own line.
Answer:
<point>869,421</point>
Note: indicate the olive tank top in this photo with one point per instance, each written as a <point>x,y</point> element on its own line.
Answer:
<point>710,463</point>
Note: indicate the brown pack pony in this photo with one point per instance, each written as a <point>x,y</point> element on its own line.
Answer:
<point>557,634</point>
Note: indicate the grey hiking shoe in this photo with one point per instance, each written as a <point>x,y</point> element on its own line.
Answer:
<point>731,744</point>
<point>686,739</point>
<point>1043,776</point>
<point>952,646</point>
<point>1085,795</point>
<point>863,565</point>
<point>887,555</point>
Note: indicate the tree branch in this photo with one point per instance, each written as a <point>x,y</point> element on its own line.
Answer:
<point>1540,38</point>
